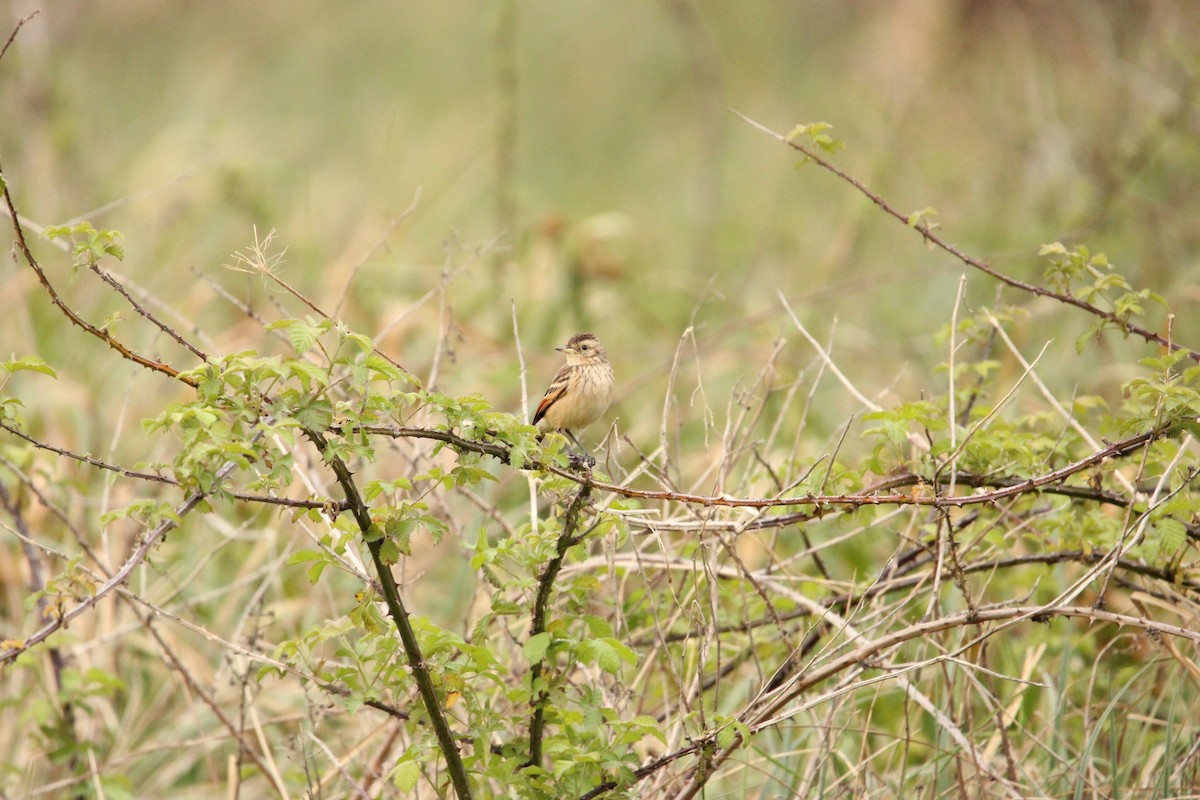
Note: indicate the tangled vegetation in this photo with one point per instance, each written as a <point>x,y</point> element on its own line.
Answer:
<point>987,590</point>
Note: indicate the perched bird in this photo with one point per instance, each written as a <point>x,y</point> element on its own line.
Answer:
<point>580,392</point>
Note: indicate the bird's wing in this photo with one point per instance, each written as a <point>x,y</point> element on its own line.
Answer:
<point>558,388</point>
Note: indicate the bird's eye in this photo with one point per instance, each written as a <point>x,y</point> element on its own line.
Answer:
<point>585,347</point>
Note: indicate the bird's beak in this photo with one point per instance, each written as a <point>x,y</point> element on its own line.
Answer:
<point>562,348</point>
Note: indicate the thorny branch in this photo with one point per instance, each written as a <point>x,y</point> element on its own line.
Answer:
<point>102,335</point>
<point>567,538</point>
<point>860,658</point>
<point>388,584</point>
<point>400,617</point>
<point>326,504</point>
<point>930,236</point>
<point>120,576</point>
<point>855,663</point>
<point>1008,486</point>
<point>17,29</point>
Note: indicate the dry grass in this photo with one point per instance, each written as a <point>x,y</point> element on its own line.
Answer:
<point>907,620</point>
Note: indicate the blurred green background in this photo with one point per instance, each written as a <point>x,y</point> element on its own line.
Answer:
<point>581,161</point>
<point>577,163</point>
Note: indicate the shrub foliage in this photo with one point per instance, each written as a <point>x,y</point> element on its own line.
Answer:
<point>983,599</point>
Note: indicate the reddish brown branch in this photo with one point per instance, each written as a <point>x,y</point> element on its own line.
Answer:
<point>107,277</point>
<point>868,651</point>
<point>898,584</point>
<point>982,266</point>
<point>17,29</point>
<point>1012,487</point>
<point>102,335</point>
<point>139,554</point>
<point>329,503</point>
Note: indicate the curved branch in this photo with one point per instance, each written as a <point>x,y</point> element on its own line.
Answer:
<point>882,587</point>
<point>102,335</point>
<point>17,29</point>
<point>287,502</point>
<point>982,266</point>
<point>120,576</point>
<point>868,651</point>
<point>1002,481</point>
<point>391,592</point>
<point>119,287</point>
<point>1010,488</point>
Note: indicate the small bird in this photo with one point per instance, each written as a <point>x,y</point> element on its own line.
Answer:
<point>580,392</point>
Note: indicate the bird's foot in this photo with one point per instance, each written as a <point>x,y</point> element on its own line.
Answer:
<point>580,461</point>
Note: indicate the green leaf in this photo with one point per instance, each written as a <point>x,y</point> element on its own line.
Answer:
<point>389,552</point>
<point>623,651</point>
<point>314,572</point>
<point>303,556</point>
<point>382,367</point>
<point>308,373</point>
<point>726,736</point>
<point>535,648</point>
<point>807,130</point>
<point>317,415</point>
<point>506,607</point>
<point>320,562</point>
<point>608,654</point>
<point>466,476</point>
<point>399,530</point>
<point>405,775</point>
<point>29,363</point>
<point>302,338</point>
<point>922,217</point>
<point>1172,535</point>
<point>815,132</point>
<point>375,488</point>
